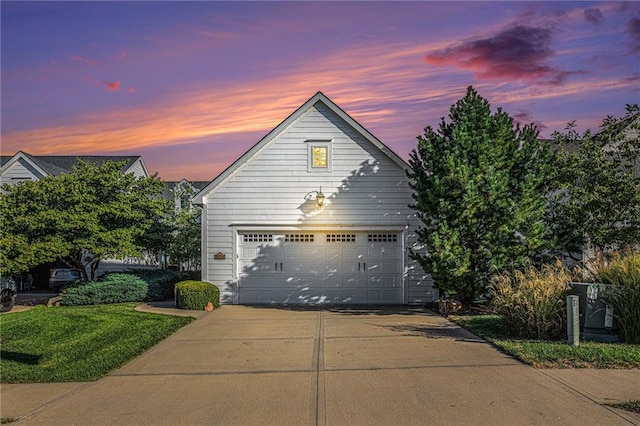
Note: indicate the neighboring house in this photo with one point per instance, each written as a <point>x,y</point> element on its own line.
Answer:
<point>182,192</point>
<point>268,235</point>
<point>22,166</point>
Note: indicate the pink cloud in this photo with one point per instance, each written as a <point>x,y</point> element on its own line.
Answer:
<point>112,86</point>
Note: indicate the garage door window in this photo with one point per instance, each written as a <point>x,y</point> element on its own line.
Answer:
<point>257,238</point>
<point>341,238</point>
<point>299,238</point>
<point>382,238</point>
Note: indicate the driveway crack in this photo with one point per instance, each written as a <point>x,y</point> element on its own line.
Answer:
<point>317,413</point>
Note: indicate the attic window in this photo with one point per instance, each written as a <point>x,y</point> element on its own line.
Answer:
<point>319,156</point>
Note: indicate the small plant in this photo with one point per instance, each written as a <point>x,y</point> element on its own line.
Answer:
<point>533,302</point>
<point>622,271</point>
<point>115,288</point>
<point>196,295</point>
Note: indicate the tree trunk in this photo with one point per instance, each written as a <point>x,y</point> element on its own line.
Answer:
<point>94,267</point>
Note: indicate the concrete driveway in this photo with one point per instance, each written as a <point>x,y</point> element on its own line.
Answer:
<point>251,365</point>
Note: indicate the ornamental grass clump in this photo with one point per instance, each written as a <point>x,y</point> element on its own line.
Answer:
<point>196,295</point>
<point>623,273</point>
<point>532,302</point>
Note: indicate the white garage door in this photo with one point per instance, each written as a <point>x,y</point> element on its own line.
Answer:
<point>320,267</point>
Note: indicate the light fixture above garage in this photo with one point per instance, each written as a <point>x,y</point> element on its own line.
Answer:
<point>319,197</point>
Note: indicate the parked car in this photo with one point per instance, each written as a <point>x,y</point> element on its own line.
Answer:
<point>8,293</point>
<point>59,277</point>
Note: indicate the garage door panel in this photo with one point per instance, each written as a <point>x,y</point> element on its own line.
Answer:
<point>332,253</point>
<point>349,252</point>
<point>390,296</point>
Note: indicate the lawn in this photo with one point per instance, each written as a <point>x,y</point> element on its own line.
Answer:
<point>69,344</point>
<point>551,354</point>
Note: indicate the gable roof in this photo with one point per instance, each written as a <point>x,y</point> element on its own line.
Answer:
<point>7,161</point>
<point>168,193</point>
<point>318,97</point>
<point>54,165</point>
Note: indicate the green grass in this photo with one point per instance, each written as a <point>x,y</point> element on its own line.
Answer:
<point>69,344</point>
<point>629,405</point>
<point>551,354</point>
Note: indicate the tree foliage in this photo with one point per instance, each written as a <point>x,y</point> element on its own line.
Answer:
<point>597,203</point>
<point>184,247</point>
<point>96,212</point>
<point>478,183</point>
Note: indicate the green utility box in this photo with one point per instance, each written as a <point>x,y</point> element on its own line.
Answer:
<point>597,322</point>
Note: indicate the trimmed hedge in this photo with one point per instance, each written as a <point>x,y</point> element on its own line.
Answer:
<point>114,288</point>
<point>196,294</point>
<point>161,282</point>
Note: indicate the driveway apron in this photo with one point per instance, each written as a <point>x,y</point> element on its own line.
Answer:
<point>339,366</point>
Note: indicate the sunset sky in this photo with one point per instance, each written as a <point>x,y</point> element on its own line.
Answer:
<point>191,86</point>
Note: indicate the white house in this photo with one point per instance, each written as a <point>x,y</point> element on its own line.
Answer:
<point>316,212</point>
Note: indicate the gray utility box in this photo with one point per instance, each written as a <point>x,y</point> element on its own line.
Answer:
<point>596,317</point>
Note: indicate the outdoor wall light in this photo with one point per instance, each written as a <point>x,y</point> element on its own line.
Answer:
<point>319,197</point>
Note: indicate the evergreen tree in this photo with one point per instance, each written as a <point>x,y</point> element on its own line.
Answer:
<point>478,186</point>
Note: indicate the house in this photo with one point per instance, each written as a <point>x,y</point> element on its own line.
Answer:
<point>182,192</point>
<point>23,166</point>
<point>317,212</point>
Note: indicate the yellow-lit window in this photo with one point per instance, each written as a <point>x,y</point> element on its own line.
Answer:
<point>319,156</point>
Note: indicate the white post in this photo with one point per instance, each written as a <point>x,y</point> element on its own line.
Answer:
<point>573,320</point>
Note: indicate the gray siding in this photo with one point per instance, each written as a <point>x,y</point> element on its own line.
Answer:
<point>137,169</point>
<point>19,171</point>
<point>364,189</point>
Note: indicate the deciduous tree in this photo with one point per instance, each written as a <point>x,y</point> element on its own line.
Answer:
<point>79,218</point>
<point>597,202</point>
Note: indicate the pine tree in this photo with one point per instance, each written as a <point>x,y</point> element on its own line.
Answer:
<point>478,184</point>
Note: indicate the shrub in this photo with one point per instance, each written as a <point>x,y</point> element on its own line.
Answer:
<point>533,302</point>
<point>190,275</point>
<point>161,282</point>
<point>115,288</point>
<point>196,294</point>
<point>623,273</point>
